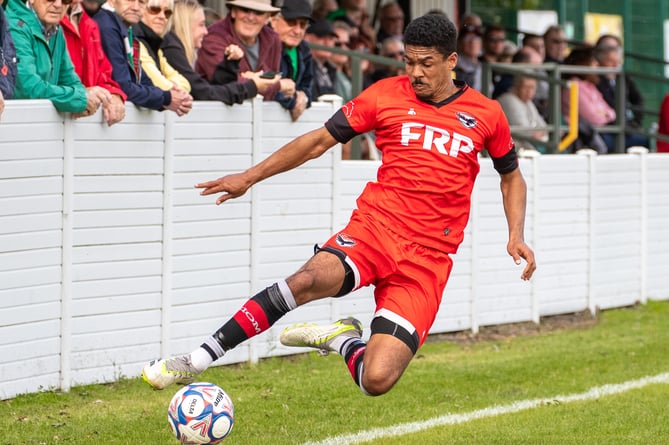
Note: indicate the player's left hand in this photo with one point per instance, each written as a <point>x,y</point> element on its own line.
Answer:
<point>518,250</point>
<point>232,186</point>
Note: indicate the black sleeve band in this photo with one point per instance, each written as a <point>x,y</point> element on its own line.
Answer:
<point>507,163</point>
<point>339,128</point>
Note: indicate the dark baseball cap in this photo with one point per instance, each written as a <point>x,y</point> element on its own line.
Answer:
<point>322,28</point>
<point>296,9</point>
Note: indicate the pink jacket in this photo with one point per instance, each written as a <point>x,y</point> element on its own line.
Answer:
<point>592,107</point>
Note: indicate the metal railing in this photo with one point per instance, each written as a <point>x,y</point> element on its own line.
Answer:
<point>548,72</point>
<point>553,74</point>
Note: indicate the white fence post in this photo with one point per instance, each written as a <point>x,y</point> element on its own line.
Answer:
<point>168,235</point>
<point>592,172</point>
<point>66,246</point>
<point>643,152</point>
<point>256,206</point>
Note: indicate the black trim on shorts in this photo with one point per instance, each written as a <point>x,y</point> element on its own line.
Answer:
<point>381,325</point>
<point>349,277</point>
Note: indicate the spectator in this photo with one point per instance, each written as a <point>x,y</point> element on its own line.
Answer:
<point>391,22</point>
<point>343,84</point>
<point>493,43</point>
<point>115,19</point>
<point>8,59</point>
<point>393,48</point>
<point>536,42</point>
<point>92,6</point>
<point>508,51</point>
<point>555,42</point>
<point>608,51</point>
<point>150,31</point>
<point>296,61</point>
<point>472,20</point>
<point>494,38</point>
<point>90,63</point>
<point>322,8</point>
<point>180,47</point>
<point>593,111</point>
<point>469,49</point>
<point>663,125</point>
<point>325,73</point>
<point>520,110</point>
<point>526,55</point>
<point>45,70</point>
<point>354,12</point>
<point>246,26</point>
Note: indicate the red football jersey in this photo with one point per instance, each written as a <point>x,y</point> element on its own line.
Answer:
<point>429,156</point>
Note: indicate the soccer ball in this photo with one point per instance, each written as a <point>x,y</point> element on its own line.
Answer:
<point>201,413</point>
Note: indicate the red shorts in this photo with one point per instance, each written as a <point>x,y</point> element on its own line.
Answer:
<point>409,278</point>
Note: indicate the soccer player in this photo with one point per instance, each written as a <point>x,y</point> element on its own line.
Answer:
<point>408,222</point>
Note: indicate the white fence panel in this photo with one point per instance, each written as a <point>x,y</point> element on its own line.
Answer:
<point>110,257</point>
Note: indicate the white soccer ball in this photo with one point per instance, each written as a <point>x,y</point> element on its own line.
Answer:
<point>201,413</point>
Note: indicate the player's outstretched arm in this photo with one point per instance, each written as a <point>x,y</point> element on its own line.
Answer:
<point>514,192</point>
<point>295,153</point>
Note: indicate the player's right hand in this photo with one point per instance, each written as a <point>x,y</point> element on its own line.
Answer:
<point>232,186</point>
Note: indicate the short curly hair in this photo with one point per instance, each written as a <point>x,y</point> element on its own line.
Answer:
<point>432,31</point>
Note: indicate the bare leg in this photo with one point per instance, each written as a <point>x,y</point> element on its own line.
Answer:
<point>386,358</point>
<point>320,277</point>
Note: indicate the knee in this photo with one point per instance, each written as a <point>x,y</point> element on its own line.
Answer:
<point>302,284</point>
<point>376,383</point>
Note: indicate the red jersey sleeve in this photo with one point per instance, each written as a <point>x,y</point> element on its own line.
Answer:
<point>357,116</point>
<point>500,144</point>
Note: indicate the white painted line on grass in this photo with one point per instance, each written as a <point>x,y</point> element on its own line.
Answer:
<point>521,405</point>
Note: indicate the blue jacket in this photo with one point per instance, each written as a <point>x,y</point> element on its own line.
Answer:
<point>140,91</point>
<point>7,58</point>
<point>303,79</point>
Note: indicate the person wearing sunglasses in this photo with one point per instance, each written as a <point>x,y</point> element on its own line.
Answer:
<point>555,44</point>
<point>90,63</point>
<point>392,48</point>
<point>180,47</point>
<point>115,20</point>
<point>246,26</point>
<point>150,31</point>
<point>45,70</point>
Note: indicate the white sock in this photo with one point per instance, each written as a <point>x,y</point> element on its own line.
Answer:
<point>200,359</point>
<point>338,342</point>
<point>342,344</point>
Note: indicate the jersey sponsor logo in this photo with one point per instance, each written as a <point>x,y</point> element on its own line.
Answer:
<point>345,240</point>
<point>444,142</point>
<point>465,119</point>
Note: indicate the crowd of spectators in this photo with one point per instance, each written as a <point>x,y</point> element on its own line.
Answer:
<point>86,55</point>
<point>526,102</point>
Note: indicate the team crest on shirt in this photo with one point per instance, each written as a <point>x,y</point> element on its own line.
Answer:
<point>345,240</point>
<point>348,108</point>
<point>467,120</point>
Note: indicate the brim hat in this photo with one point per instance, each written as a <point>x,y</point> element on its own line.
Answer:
<point>296,9</point>
<point>255,5</point>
